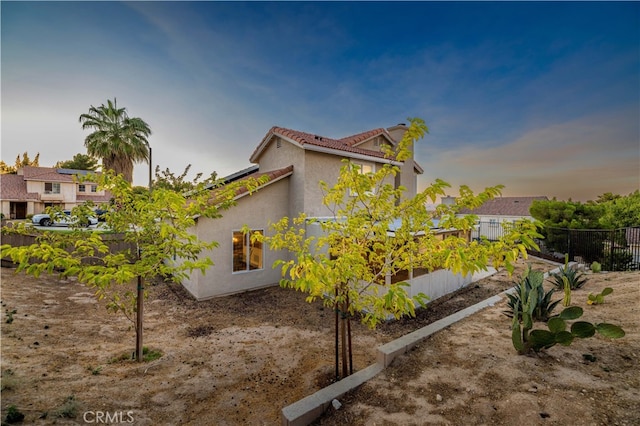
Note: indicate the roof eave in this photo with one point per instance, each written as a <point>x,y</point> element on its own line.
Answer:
<point>349,154</point>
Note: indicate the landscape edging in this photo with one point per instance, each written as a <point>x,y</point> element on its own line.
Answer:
<point>308,409</point>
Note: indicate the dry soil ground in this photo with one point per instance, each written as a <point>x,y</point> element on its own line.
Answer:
<point>240,359</point>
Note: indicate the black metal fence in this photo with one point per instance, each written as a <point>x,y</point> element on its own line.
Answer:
<point>614,249</point>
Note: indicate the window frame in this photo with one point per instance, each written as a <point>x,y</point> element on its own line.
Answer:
<point>248,251</point>
<point>362,166</point>
<point>54,186</point>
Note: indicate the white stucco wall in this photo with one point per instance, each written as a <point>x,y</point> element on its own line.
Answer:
<point>257,211</point>
<point>442,282</point>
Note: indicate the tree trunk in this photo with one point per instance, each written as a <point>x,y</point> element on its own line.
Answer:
<point>343,340</point>
<point>139,312</point>
<point>337,345</point>
<point>349,348</point>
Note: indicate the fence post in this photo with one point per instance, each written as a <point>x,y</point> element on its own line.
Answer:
<point>612,241</point>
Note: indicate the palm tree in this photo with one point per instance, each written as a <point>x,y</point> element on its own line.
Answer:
<point>119,140</point>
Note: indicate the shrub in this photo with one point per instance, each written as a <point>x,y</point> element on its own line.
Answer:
<point>69,408</point>
<point>13,415</point>
<point>10,314</point>
<point>9,381</point>
<point>531,282</point>
<point>575,278</point>
<point>150,354</point>
<point>596,267</point>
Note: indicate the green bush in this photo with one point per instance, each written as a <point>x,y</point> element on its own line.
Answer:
<point>13,415</point>
<point>575,278</point>
<point>531,282</point>
<point>69,408</point>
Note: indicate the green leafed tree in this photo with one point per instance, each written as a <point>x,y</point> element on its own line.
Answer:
<point>20,163</point>
<point>79,162</point>
<point>117,139</point>
<point>566,214</point>
<point>621,212</point>
<point>169,180</point>
<point>375,233</point>
<point>154,229</point>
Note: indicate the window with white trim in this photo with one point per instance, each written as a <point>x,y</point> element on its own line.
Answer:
<point>363,169</point>
<point>247,254</point>
<point>51,187</point>
<point>82,187</point>
<point>94,188</point>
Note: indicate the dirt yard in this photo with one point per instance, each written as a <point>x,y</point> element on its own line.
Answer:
<point>240,359</point>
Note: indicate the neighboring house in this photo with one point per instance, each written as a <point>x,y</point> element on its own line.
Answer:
<point>493,213</point>
<point>295,163</point>
<point>33,189</point>
<point>632,235</point>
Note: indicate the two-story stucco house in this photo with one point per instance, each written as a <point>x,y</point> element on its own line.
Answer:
<point>33,189</point>
<point>295,162</point>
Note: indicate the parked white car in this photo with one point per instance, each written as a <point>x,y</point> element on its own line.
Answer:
<point>44,219</point>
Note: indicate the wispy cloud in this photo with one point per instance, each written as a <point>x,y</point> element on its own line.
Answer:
<point>577,158</point>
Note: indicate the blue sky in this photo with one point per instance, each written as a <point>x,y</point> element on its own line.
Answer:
<point>541,97</point>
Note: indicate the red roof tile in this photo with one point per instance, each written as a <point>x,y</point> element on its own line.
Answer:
<point>361,137</point>
<point>344,144</point>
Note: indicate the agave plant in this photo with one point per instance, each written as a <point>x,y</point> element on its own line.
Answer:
<point>531,283</point>
<point>575,278</point>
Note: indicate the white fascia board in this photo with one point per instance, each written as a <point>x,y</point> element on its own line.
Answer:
<point>353,155</point>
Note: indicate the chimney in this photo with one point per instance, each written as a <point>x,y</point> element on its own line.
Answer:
<point>397,131</point>
<point>407,176</point>
<point>448,200</point>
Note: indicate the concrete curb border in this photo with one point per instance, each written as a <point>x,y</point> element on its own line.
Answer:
<point>308,409</point>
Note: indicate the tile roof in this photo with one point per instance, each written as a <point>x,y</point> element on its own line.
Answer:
<point>14,187</point>
<point>274,175</point>
<point>95,198</point>
<point>346,144</point>
<point>505,206</point>
<point>50,174</point>
<point>364,136</point>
